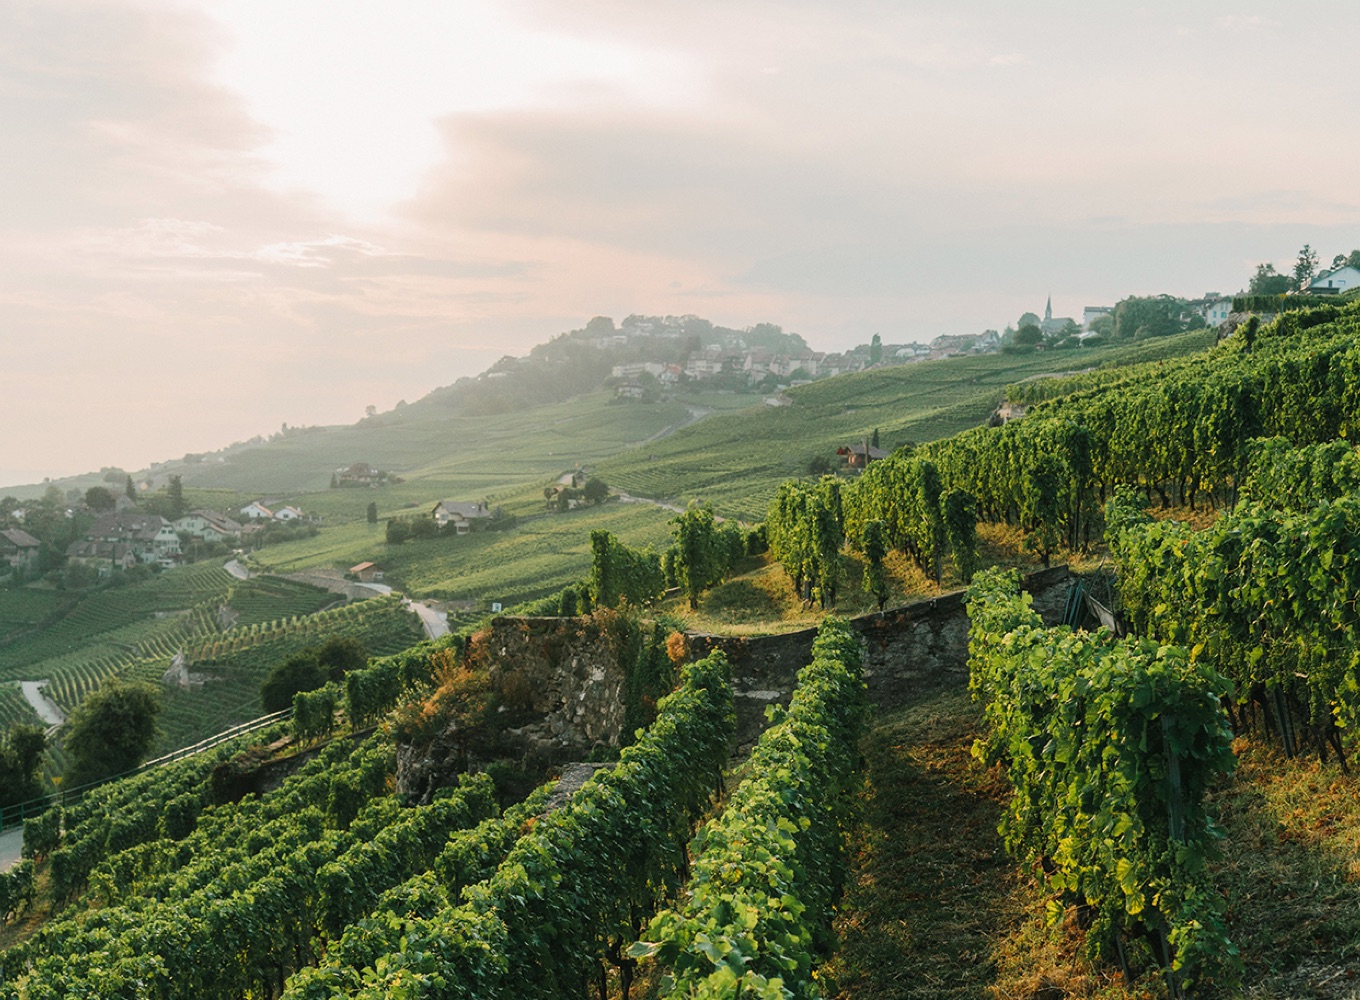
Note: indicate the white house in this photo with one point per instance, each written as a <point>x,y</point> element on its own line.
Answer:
<point>1216,310</point>
<point>209,526</point>
<point>1089,314</point>
<point>287,514</point>
<point>257,512</point>
<point>1343,279</point>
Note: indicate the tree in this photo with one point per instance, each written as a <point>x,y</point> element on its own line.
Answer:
<point>873,441</point>
<point>175,493</point>
<point>341,654</point>
<point>99,499</point>
<point>130,489</point>
<point>596,490</point>
<point>1029,335</point>
<point>876,350</point>
<point>1305,267</point>
<point>1140,317</point>
<point>300,672</point>
<point>1268,281</point>
<point>21,750</point>
<point>372,512</point>
<point>110,731</point>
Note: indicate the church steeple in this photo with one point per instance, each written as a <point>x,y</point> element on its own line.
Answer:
<point>1048,310</point>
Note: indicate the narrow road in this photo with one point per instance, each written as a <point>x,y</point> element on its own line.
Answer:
<point>11,843</point>
<point>626,498</point>
<point>43,705</point>
<point>436,624</point>
<point>237,570</point>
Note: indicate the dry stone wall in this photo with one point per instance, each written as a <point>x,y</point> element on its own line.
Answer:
<point>575,684</point>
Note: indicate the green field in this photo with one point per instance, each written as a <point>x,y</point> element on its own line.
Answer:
<point>542,554</point>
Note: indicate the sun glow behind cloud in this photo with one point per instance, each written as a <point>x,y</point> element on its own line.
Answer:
<point>352,90</point>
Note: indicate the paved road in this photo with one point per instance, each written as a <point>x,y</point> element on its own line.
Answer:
<point>43,705</point>
<point>435,623</point>
<point>237,570</point>
<point>10,844</point>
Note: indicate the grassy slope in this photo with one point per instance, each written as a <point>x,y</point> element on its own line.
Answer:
<point>543,554</point>
<point>736,461</point>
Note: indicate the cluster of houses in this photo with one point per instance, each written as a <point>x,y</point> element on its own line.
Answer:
<point>125,538</point>
<point>361,474</point>
<point>758,365</point>
<point>1216,308</point>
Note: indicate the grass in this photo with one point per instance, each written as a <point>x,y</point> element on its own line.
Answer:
<point>542,554</point>
<point>932,887</point>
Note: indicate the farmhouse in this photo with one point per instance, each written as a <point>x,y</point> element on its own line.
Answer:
<point>19,549</point>
<point>460,514</point>
<point>150,537</point>
<point>102,557</point>
<point>367,572</point>
<point>1343,279</point>
<point>857,456</point>
<point>360,474</point>
<point>208,526</point>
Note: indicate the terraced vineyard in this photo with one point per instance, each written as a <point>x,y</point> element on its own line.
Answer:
<point>266,599</point>
<point>23,608</point>
<point>233,664</point>
<point>14,707</point>
<point>107,611</point>
<point>140,651</point>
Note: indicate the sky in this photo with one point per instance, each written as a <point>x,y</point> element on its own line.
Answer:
<point>221,216</point>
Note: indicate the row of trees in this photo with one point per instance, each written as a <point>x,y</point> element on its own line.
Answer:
<point>1268,281</point>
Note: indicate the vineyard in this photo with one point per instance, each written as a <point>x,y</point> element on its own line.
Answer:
<point>136,632</point>
<point>103,615</point>
<point>14,707</point>
<point>1166,813</point>
<point>330,886</point>
<point>267,599</point>
<point>737,461</point>
<point>22,609</point>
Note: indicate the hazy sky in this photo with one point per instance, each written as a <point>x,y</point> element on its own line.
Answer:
<point>222,215</point>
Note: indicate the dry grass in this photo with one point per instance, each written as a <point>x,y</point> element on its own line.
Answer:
<point>937,909</point>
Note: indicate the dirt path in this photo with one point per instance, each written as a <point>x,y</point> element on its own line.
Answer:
<point>931,883</point>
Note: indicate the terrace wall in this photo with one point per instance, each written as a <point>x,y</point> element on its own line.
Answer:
<point>576,683</point>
